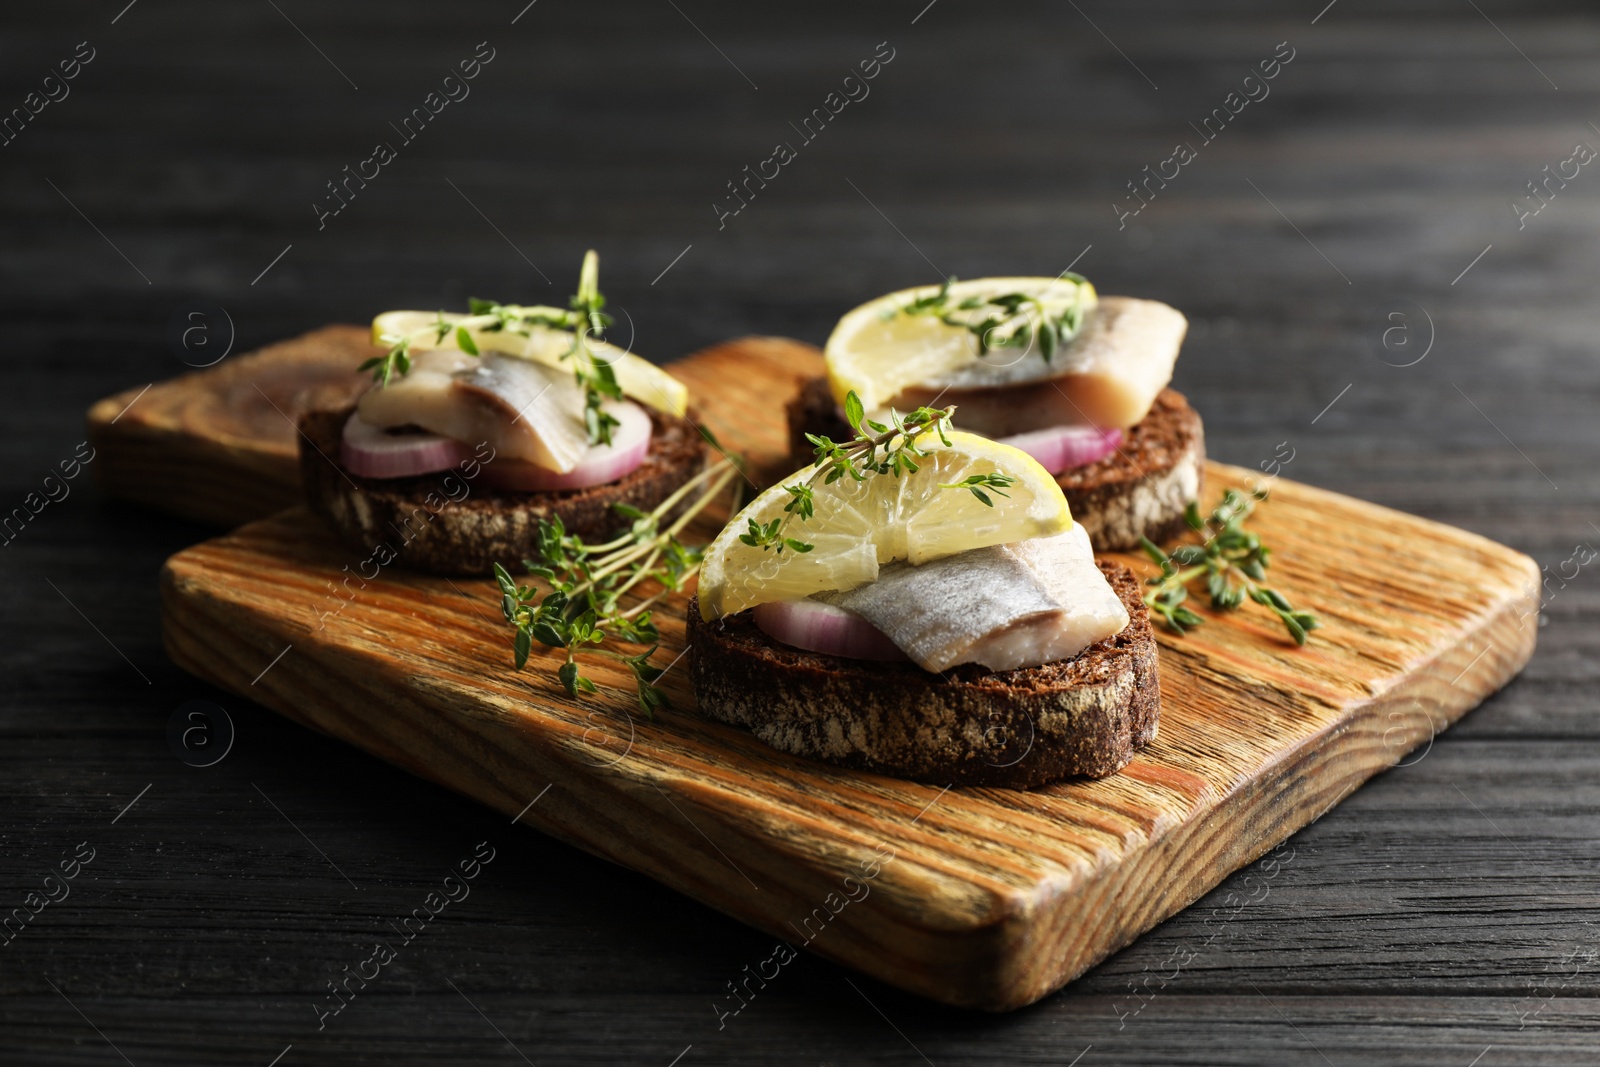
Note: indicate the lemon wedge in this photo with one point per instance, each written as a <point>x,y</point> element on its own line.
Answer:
<point>640,379</point>
<point>878,350</point>
<point>858,526</point>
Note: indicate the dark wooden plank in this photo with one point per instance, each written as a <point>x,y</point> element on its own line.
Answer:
<point>1244,1030</point>
<point>995,141</point>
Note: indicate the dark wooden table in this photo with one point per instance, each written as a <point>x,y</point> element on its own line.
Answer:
<point>1356,218</point>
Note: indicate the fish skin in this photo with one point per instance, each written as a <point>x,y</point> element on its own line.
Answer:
<point>533,401</point>
<point>1003,607</point>
<point>525,410</point>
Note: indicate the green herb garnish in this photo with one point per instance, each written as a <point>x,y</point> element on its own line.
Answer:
<point>398,358</point>
<point>599,381</point>
<point>882,448</point>
<point>583,316</point>
<point>1009,320</point>
<point>1231,559</point>
<point>580,609</point>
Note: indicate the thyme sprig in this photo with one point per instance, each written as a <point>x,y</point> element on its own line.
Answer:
<point>584,316</point>
<point>882,448</point>
<point>580,605</point>
<point>397,359</point>
<point>599,381</point>
<point>1233,562</point>
<point>1008,320</point>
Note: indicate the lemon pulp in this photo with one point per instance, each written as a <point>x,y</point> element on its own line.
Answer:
<point>878,351</point>
<point>858,526</point>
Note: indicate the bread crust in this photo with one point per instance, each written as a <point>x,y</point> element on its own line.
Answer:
<point>1087,715</point>
<point>447,524</point>
<point>1140,490</point>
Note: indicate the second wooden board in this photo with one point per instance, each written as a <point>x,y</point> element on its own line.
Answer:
<point>220,445</point>
<point>987,898</point>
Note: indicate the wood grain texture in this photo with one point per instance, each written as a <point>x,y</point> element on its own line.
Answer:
<point>992,898</point>
<point>219,445</point>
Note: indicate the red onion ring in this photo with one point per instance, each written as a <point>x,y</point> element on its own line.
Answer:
<point>817,627</point>
<point>1063,448</point>
<point>369,452</point>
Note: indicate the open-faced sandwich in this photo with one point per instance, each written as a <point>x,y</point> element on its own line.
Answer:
<point>1077,381</point>
<point>919,602</point>
<point>480,426</point>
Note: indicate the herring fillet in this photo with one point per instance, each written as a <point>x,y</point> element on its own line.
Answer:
<point>525,410</point>
<point>1108,375</point>
<point>1003,607</point>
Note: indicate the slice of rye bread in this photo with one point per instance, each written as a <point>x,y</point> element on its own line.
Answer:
<point>969,726</point>
<point>446,524</point>
<point>1139,490</point>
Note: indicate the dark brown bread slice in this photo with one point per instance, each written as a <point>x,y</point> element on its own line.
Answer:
<point>969,726</point>
<point>447,524</point>
<point>1139,490</point>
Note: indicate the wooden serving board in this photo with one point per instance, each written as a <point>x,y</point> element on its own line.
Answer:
<point>988,898</point>
<point>220,445</point>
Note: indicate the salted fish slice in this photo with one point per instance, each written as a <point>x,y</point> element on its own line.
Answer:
<point>1108,375</point>
<point>1004,607</point>
<point>524,410</point>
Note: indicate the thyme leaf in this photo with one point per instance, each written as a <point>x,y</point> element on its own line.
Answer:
<point>1231,561</point>
<point>398,358</point>
<point>976,484</point>
<point>1007,320</point>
